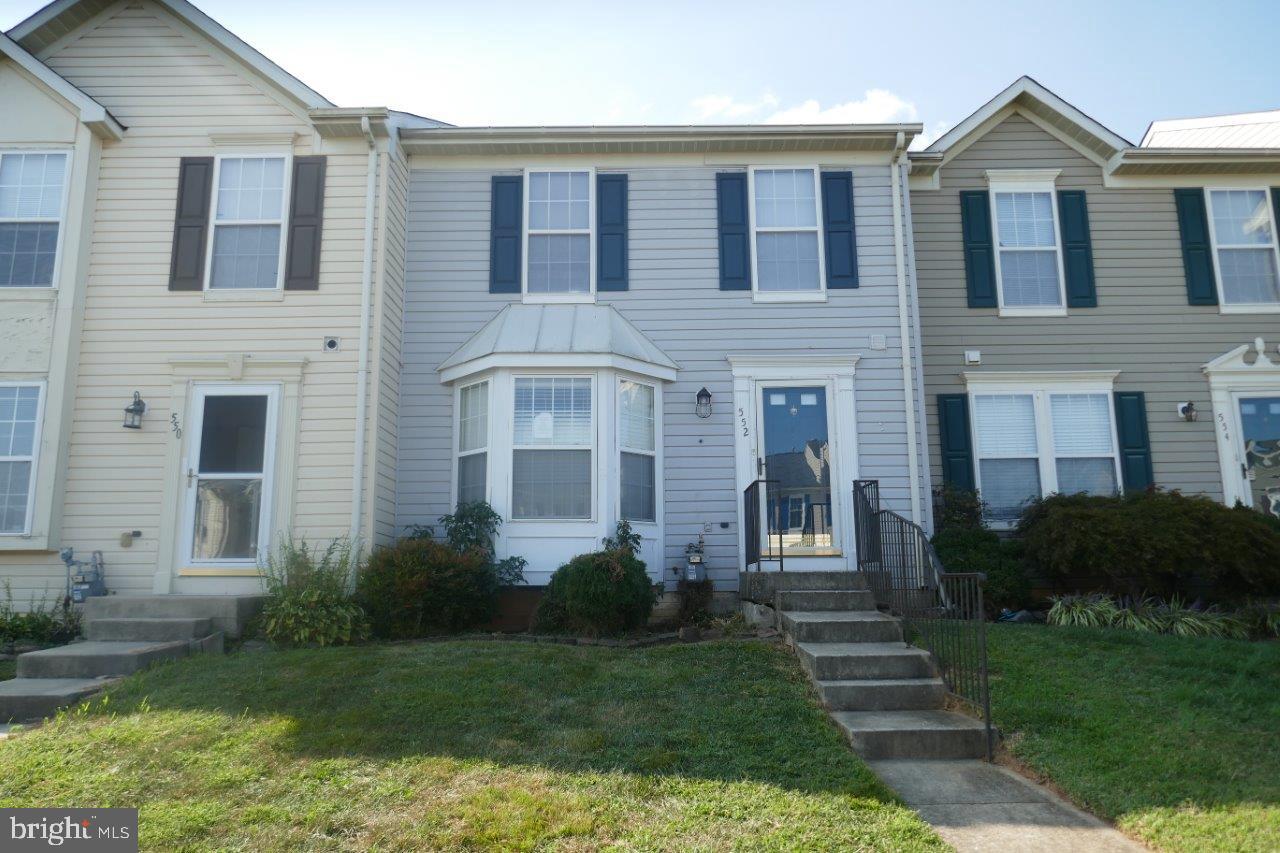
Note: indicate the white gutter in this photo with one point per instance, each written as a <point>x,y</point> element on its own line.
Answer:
<point>905,339</point>
<point>366,314</point>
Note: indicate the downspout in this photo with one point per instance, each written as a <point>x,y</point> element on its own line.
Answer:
<point>905,339</point>
<point>366,316</point>
<point>913,285</point>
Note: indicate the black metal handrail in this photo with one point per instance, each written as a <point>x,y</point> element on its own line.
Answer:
<point>941,611</point>
<point>751,510</point>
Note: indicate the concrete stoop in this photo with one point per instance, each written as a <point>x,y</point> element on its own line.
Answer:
<point>124,635</point>
<point>884,694</point>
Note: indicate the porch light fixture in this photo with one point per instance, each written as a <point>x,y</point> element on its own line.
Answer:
<point>703,409</point>
<point>1187,411</point>
<point>134,411</point>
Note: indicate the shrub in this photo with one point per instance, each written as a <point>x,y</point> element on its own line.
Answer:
<point>1089,611</point>
<point>979,550</point>
<point>420,587</point>
<point>605,592</point>
<point>472,526</point>
<point>309,596</point>
<point>958,508</point>
<point>695,601</point>
<point>44,624</point>
<point>1261,619</point>
<point>1164,542</point>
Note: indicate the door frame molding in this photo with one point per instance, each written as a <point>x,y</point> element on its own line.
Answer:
<point>834,369</point>
<point>1231,377</point>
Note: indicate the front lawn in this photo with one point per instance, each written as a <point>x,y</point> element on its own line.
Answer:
<point>1177,740</point>
<point>478,745</point>
<point>8,669</point>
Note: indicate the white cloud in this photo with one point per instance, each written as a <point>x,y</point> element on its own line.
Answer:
<point>877,106</point>
<point>930,135</point>
<point>724,107</point>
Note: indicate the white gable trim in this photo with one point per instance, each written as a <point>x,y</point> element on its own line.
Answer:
<point>92,114</point>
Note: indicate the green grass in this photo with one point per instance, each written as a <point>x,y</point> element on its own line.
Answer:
<point>8,669</point>
<point>1176,740</point>
<point>460,745</point>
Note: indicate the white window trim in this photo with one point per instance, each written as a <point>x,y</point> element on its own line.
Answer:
<point>1241,307</point>
<point>458,453</point>
<point>758,295</point>
<point>283,221</point>
<point>593,446</point>
<point>190,472</point>
<point>1027,181</point>
<point>1041,387</point>
<point>61,220</point>
<point>33,458</point>
<point>589,231</point>
<point>655,453</point>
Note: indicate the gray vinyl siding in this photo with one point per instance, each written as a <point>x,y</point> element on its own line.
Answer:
<point>1142,326</point>
<point>674,298</point>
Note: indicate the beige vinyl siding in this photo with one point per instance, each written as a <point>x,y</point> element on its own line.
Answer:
<point>171,89</point>
<point>1142,326</point>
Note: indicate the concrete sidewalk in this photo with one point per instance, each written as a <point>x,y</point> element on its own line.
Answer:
<point>977,806</point>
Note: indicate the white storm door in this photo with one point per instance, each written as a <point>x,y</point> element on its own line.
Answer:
<point>229,475</point>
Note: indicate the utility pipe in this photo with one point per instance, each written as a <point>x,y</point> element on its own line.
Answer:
<point>366,314</point>
<point>904,328</point>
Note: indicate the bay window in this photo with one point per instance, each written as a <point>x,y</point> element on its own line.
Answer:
<point>473,442</point>
<point>32,189</point>
<point>20,414</point>
<point>1245,247</point>
<point>637,451</point>
<point>784,218</point>
<point>553,441</point>
<point>1032,440</point>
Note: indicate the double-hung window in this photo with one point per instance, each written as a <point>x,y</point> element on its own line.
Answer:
<point>558,241</point>
<point>553,441</point>
<point>637,450</point>
<point>473,442</point>
<point>1245,247</point>
<point>248,223</point>
<point>20,413</point>
<point>1029,272</point>
<point>32,189</point>
<point>787,246</point>
<point>1035,441</point>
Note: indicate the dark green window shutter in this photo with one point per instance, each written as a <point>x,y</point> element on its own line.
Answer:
<point>837,225</point>
<point>306,219</point>
<point>1135,444</point>
<point>979,252</point>
<point>506,217</point>
<point>954,435</point>
<point>191,223</point>
<point>735,241</point>
<point>1197,253</point>
<point>1077,249</point>
<point>611,232</point>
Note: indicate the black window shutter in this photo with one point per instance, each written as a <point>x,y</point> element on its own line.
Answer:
<point>504,233</point>
<point>1077,249</point>
<point>954,435</point>
<point>735,241</point>
<point>1197,253</point>
<point>979,253</point>
<point>306,220</point>
<point>1275,207</point>
<point>611,232</point>
<point>837,223</point>
<point>191,223</point>
<point>1135,444</point>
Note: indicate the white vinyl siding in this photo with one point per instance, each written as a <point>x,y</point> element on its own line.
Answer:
<point>473,442</point>
<point>559,248</point>
<point>553,443</point>
<point>786,239</point>
<point>32,204</point>
<point>248,223</point>
<point>21,408</point>
<point>1245,247</point>
<point>637,419</point>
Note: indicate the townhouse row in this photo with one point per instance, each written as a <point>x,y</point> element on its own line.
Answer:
<point>231,311</point>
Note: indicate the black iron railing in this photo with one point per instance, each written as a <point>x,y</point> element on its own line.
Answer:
<point>941,611</point>
<point>759,541</point>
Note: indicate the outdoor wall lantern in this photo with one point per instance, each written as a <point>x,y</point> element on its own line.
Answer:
<point>134,411</point>
<point>703,409</point>
<point>1188,412</point>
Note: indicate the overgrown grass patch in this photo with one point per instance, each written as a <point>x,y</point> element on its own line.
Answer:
<point>8,669</point>
<point>493,746</point>
<point>1175,739</point>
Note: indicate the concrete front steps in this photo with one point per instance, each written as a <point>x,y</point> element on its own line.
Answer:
<point>883,693</point>
<point>124,635</point>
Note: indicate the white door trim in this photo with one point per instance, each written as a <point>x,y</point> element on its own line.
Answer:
<point>1230,378</point>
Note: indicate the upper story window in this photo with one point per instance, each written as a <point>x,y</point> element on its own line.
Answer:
<point>248,223</point>
<point>1245,247</point>
<point>32,190</point>
<point>20,412</point>
<point>553,440</point>
<point>1028,248</point>
<point>559,236</point>
<point>784,218</point>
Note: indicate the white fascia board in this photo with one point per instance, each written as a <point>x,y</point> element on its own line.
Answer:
<point>568,361</point>
<point>92,114</point>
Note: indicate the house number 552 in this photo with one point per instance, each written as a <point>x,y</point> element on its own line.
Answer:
<point>742,418</point>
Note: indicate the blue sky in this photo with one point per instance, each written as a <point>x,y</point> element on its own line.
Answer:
<point>735,62</point>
